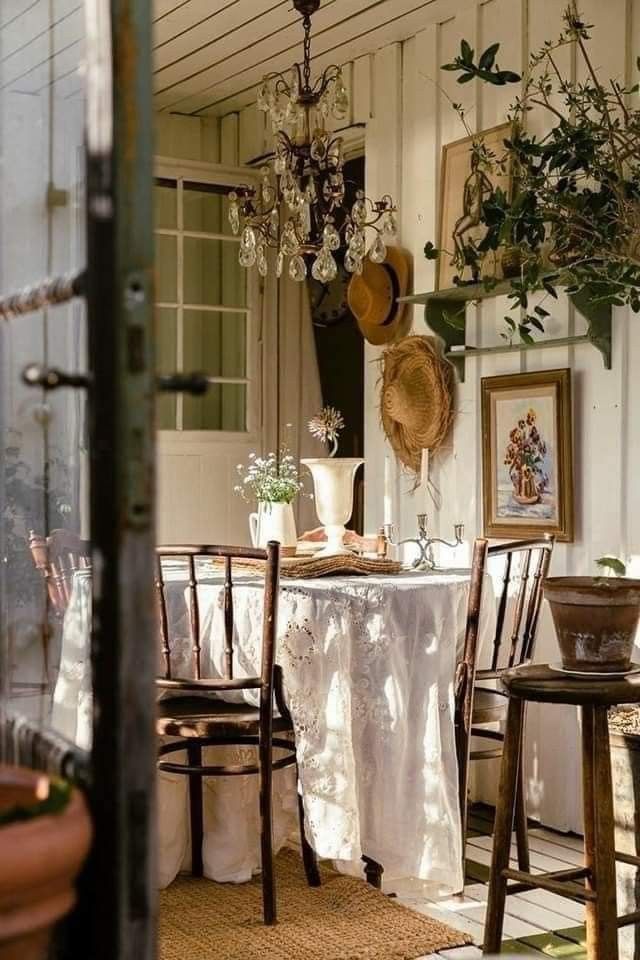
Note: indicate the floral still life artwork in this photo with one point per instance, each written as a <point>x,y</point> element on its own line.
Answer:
<point>527,455</point>
<point>526,485</point>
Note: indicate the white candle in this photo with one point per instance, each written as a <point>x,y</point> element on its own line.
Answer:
<point>387,490</point>
<point>424,479</point>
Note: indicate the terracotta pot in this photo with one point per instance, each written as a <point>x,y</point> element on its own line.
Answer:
<point>39,862</point>
<point>596,619</point>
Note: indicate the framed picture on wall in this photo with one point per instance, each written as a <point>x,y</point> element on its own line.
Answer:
<point>527,455</point>
<point>462,191</point>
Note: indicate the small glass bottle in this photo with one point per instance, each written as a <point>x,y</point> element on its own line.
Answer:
<point>382,544</point>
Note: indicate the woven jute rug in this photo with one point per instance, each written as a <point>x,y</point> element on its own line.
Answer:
<point>344,919</point>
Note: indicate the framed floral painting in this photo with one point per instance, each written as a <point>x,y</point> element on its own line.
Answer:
<point>527,455</point>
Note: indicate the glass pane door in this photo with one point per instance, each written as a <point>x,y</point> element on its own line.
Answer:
<point>203,305</point>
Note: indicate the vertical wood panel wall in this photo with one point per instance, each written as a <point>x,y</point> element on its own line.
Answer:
<point>404,159</point>
<point>393,91</point>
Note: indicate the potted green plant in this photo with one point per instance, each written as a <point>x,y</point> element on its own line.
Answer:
<point>575,208</point>
<point>45,833</point>
<point>596,618</point>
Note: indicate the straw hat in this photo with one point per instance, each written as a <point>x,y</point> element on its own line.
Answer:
<point>373,294</point>
<point>416,398</point>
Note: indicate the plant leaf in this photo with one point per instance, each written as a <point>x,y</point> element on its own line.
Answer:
<point>466,52</point>
<point>614,564</point>
<point>456,320</point>
<point>487,59</point>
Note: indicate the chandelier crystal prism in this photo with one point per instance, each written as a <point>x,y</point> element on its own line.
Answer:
<point>300,208</point>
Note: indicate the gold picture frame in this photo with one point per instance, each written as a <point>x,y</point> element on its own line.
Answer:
<point>527,455</point>
<point>455,170</point>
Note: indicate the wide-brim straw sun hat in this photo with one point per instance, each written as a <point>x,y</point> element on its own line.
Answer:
<point>416,398</point>
<point>373,296</point>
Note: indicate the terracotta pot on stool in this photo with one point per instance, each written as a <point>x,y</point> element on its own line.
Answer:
<point>596,619</point>
<point>39,862</point>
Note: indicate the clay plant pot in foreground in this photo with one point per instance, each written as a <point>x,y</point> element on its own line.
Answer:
<point>596,620</point>
<point>40,858</point>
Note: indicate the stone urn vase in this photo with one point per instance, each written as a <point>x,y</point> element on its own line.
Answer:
<point>41,854</point>
<point>595,619</point>
<point>333,490</point>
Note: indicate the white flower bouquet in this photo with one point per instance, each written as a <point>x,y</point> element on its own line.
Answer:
<point>270,479</point>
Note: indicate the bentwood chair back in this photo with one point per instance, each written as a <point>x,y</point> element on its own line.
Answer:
<point>58,557</point>
<point>525,566</point>
<point>196,718</point>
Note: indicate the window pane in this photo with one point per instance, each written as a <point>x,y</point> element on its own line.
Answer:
<point>165,196</point>
<point>212,274</point>
<point>202,207</point>
<point>166,341</point>
<point>224,407</point>
<point>166,269</point>
<point>215,342</point>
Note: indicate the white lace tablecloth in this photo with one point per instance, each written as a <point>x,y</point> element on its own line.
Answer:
<point>368,666</point>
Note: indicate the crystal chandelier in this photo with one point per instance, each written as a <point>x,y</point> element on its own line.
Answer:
<point>300,208</point>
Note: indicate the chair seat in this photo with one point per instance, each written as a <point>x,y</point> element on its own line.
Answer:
<point>210,717</point>
<point>489,706</point>
<point>543,685</point>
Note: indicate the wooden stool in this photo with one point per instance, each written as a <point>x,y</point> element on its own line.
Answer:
<point>598,889</point>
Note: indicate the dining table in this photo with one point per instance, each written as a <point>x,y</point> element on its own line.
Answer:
<point>368,664</point>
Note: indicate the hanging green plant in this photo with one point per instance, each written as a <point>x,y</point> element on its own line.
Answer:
<point>574,213</point>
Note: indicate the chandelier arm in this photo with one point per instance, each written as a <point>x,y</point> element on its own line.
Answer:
<point>327,77</point>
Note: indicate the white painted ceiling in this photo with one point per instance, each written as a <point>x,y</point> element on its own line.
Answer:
<point>209,56</point>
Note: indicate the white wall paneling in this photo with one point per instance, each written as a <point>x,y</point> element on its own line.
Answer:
<point>392,55</point>
<point>408,122</point>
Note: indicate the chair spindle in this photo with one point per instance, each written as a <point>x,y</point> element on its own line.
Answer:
<point>228,619</point>
<point>519,607</point>
<point>194,616</point>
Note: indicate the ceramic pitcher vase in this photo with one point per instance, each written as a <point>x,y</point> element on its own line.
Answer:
<point>333,489</point>
<point>274,521</point>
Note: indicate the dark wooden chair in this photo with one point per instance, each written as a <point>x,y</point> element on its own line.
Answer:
<point>594,883</point>
<point>57,557</point>
<point>525,566</point>
<point>198,719</point>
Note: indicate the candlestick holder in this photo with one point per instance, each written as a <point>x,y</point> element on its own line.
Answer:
<point>426,559</point>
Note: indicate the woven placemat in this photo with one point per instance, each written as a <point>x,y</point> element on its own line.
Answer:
<point>303,568</point>
<point>344,919</point>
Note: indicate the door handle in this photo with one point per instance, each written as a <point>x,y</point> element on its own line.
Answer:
<point>50,378</point>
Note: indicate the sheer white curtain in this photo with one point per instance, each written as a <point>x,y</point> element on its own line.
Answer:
<point>299,392</point>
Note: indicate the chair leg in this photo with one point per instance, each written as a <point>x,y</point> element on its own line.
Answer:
<point>309,858</point>
<point>373,872</point>
<point>503,826</point>
<point>601,914</point>
<point>463,742</point>
<point>521,826</point>
<point>194,754</point>
<point>266,830</point>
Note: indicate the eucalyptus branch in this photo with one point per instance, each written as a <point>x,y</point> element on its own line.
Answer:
<point>576,196</point>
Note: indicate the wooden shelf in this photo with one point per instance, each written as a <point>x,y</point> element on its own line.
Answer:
<point>445,315</point>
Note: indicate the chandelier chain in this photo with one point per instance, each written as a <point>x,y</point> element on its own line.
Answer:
<point>306,67</point>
